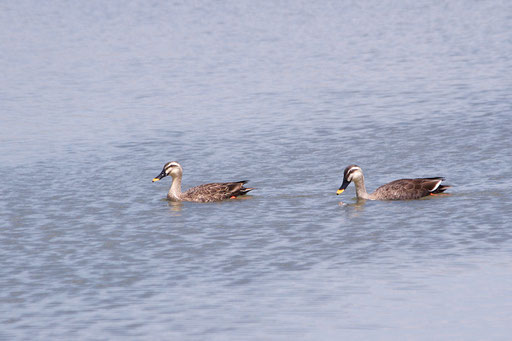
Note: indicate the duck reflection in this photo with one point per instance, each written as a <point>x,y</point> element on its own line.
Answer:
<point>358,205</point>
<point>175,206</point>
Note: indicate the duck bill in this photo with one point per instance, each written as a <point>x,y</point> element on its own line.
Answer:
<point>159,177</point>
<point>343,186</point>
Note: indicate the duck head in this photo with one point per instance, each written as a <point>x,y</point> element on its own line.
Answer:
<point>351,173</point>
<point>170,168</point>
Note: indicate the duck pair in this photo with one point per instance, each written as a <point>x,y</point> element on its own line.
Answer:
<point>403,189</point>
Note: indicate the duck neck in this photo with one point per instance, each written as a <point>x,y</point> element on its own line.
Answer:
<point>361,189</point>
<point>174,193</point>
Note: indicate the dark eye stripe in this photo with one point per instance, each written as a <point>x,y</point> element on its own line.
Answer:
<point>352,170</point>
<point>169,167</point>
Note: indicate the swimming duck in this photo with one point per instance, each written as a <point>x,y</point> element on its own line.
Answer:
<point>202,193</point>
<point>402,189</point>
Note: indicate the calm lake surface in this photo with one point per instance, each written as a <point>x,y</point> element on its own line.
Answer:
<point>96,96</point>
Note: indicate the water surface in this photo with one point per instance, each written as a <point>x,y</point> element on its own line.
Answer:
<point>96,97</point>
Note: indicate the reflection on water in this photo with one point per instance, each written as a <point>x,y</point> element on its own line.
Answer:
<point>353,209</point>
<point>97,96</point>
<point>175,206</point>
<point>358,204</point>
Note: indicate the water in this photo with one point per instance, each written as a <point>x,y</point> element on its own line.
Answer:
<point>96,97</point>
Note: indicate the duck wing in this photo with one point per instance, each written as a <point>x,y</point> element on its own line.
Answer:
<point>405,189</point>
<point>216,191</point>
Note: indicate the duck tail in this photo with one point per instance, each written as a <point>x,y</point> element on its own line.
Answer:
<point>244,190</point>
<point>441,189</point>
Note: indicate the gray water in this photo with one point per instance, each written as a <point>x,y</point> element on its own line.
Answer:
<point>96,96</point>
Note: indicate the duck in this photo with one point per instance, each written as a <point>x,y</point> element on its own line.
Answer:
<point>203,193</point>
<point>403,189</point>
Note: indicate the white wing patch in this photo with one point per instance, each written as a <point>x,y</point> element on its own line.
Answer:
<point>436,186</point>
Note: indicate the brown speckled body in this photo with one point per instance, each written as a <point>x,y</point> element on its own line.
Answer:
<point>406,189</point>
<point>214,192</point>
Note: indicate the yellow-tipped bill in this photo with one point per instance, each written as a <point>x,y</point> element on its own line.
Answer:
<point>160,176</point>
<point>343,186</point>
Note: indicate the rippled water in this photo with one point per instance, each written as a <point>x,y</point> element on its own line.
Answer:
<point>96,97</point>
